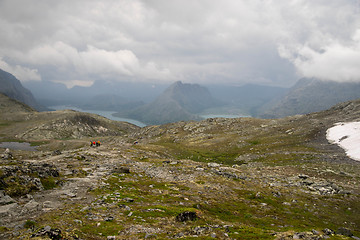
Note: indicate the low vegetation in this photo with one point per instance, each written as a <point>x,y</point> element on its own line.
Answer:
<point>214,179</point>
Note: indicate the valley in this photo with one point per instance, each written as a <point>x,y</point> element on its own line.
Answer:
<point>218,178</point>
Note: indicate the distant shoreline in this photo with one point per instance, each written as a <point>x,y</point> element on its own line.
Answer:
<point>107,114</point>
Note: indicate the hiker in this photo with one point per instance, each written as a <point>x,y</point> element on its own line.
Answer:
<point>98,143</point>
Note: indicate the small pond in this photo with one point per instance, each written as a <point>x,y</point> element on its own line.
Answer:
<point>17,146</point>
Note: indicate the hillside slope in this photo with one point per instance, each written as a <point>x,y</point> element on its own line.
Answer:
<point>219,178</point>
<point>310,95</point>
<point>19,121</point>
<point>12,87</point>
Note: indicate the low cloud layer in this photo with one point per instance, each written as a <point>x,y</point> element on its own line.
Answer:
<point>260,41</point>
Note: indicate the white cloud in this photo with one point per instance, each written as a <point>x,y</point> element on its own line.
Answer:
<point>200,40</point>
<point>22,73</point>
<point>336,62</point>
<point>73,83</point>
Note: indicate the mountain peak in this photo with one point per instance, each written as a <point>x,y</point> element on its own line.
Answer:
<point>12,87</point>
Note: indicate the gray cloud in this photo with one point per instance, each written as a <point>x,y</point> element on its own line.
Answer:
<point>264,41</point>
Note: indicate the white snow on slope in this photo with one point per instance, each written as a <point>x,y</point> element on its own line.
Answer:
<point>347,136</point>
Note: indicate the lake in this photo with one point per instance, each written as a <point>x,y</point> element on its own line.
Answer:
<point>107,114</point>
<point>17,146</point>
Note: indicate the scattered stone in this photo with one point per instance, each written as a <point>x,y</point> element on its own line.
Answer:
<point>179,235</point>
<point>121,170</point>
<point>186,216</point>
<point>85,208</point>
<point>127,208</point>
<point>328,231</point>
<point>38,184</point>
<point>315,232</point>
<point>213,165</point>
<point>149,235</point>
<point>56,152</point>
<point>78,221</point>
<point>109,219</point>
<point>344,232</point>
<point>303,176</point>
<point>111,237</point>
<point>229,175</point>
<point>200,230</point>
<point>276,194</point>
<point>7,154</point>
<point>54,234</point>
<point>128,199</point>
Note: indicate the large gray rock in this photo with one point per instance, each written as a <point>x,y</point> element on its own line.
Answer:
<point>8,210</point>
<point>31,206</point>
<point>5,199</point>
<point>7,154</point>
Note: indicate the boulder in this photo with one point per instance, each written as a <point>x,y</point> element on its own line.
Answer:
<point>31,206</point>
<point>7,154</point>
<point>344,232</point>
<point>53,234</point>
<point>5,199</point>
<point>121,170</point>
<point>186,216</point>
<point>9,209</point>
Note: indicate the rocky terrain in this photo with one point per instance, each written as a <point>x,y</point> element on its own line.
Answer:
<point>219,178</point>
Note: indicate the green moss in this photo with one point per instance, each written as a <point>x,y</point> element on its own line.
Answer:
<point>248,232</point>
<point>38,143</point>
<point>4,229</point>
<point>30,224</point>
<point>110,228</point>
<point>48,183</point>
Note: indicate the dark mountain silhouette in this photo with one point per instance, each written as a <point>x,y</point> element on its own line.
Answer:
<point>310,95</point>
<point>179,102</point>
<point>52,94</point>
<point>12,87</point>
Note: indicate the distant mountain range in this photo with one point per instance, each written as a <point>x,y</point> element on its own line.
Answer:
<point>179,102</point>
<point>310,95</point>
<point>156,104</point>
<point>12,87</point>
<point>248,98</point>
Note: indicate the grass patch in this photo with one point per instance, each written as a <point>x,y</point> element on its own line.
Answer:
<point>30,224</point>
<point>48,183</point>
<point>199,154</point>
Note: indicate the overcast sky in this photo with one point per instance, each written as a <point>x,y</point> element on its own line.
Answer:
<point>271,42</point>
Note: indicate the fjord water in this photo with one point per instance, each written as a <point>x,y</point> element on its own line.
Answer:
<point>107,114</point>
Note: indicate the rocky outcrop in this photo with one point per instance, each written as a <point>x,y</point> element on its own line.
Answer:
<point>22,179</point>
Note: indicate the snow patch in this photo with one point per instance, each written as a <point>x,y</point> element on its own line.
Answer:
<point>347,136</point>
